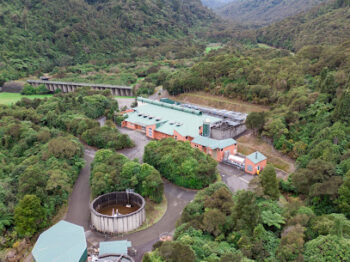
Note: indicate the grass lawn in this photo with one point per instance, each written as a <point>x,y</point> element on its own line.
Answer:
<point>11,98</point>
<point>154,212</point>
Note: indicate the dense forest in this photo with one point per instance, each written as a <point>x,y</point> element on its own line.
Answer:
<point>41,156</point>
<point>327,24</point>
<point>263,12</point>
<point>39,35</point>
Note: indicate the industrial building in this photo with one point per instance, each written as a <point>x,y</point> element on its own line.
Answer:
<point>160,120</point>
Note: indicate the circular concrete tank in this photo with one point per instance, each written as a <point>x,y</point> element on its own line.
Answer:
<point>117,212</point>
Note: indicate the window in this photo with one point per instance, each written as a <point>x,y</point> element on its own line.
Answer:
<point>150,132</point>
<point>175,137</point>
<point>258,167</point>
<point>250,168</point>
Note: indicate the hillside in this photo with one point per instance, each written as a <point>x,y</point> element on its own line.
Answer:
<point>38,35</point>
<point>325,24</point>
<point>215,3</point>
<point>263,12</point>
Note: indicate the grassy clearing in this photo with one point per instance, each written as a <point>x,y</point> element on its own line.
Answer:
<point>154,212</point>
<point>264,46</point>
<point>11,98</point>
<point>209,48</point>
<point>249,143</point>
<point>205,99</point>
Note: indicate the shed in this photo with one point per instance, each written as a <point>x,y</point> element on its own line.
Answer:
<point>255,163</point>
<point>114,247</point>
<point>63,241</point>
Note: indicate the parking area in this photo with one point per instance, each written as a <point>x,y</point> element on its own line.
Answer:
<point>234,178</point>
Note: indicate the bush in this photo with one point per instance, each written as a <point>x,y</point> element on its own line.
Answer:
<point>107,137</point>
<point>180,163</point>
<point>30,90</point>
<point>114,172</point>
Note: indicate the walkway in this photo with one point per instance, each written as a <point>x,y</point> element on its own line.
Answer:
<point>79,201</point>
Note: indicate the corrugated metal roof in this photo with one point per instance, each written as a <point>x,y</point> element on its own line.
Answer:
<point>62,242</point>
<point>213,143</point>
<point>114,247</point>
<point>256,157</point>
<point>186,122</point>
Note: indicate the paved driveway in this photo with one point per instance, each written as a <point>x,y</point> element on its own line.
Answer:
<point>234,178</point>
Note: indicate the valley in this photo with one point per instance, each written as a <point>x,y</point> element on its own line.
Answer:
<point>278,190</point>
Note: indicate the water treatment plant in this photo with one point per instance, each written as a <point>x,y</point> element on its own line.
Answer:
<point>118,212</point>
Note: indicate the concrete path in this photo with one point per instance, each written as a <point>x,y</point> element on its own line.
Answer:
<point>140,140</point>
<point>79,201</point>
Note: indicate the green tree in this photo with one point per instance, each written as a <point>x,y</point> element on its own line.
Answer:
<point>269,182</point>
<point>29,216</point>
<point>213,221</point>
<point>245,213</point>
<point>5,217</point>
<point>272,219</point>
<point>175,251</point>
<point>328,248</point>
<point>342,109</point>
<point>256,121</point>
<point>344,195</point>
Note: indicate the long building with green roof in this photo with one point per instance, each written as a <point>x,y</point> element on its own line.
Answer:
<point>160,120</point>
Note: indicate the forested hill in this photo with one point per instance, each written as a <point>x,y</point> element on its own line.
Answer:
<point>264,12</point>
<point>215,3</point>
<point>326,24</point>
<point>39,34</point>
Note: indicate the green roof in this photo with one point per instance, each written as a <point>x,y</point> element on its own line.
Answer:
<point>169,118</point>
<point>114,247</point>
<point>62,242</point>
<point>256,157</point>
<point>213,143</point>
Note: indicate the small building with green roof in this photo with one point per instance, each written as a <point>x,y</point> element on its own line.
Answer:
<point>63,241</point>
<point>255,163</point>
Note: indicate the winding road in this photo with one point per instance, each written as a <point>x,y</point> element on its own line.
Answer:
<point>177,198</point>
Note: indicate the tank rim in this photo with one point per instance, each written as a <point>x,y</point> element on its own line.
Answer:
<point>92,209</point>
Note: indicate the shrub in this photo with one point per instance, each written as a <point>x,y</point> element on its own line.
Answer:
<point>180,163</point>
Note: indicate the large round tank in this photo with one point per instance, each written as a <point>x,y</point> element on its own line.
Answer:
<point>118,212</point>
